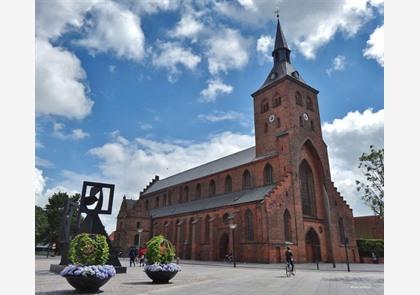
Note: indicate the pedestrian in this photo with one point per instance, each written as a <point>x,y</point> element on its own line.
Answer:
<point>374,258</point>
<point>142,253</point>
<point>289,258</point>
<point>132,254</point>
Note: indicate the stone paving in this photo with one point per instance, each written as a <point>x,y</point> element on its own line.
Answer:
<point>220,279</point>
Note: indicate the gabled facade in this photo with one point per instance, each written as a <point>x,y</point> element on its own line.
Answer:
<point>278,193</point>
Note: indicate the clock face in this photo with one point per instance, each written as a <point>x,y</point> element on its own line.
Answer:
<point>271,118</point>
<point>305,116</point>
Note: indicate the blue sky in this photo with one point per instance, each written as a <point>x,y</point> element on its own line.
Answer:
<point>126,89</point>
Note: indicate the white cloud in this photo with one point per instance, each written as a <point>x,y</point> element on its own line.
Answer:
<point>59,83</point>
<point>39,183</point>
<point>145,126</point>
<point>308,25</point>
<point>153,6</point>
<point>76,134</point>
<point>338,64</point>
<point>214,88</point>
<point>112,68</point>
<point>265,45</point>
<point>43,163</point>
<point>217,116</point>
<point>187,27</point>
<point>172,54</point>
<point>227,50</point>
<point>54,17</point>
<point>115,30</point>
<point>347,138</point>
<point>376,46</point>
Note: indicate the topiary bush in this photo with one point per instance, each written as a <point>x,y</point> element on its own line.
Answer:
<point>159,250</point>
<point>89,249</point>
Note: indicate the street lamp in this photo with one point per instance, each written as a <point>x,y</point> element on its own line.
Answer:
<point>346,241</point>
<point>232,227</point>
<point>139,230</point>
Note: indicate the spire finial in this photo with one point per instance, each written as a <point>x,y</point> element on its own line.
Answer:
<point>277,11</point>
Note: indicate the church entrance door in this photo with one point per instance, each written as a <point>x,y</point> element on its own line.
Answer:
<point>223,246</point>
<point>313,248</point>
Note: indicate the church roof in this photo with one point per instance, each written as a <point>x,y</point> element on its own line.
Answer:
<point>225,163</point>
<point>229,199</point>
<point>130,203</point>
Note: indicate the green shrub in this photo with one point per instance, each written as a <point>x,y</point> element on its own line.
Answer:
<point>367,246</point>
<point>89,249</point>
<point>159,250</point>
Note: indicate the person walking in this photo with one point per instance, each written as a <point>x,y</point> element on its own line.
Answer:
<point>289,258</point>
<point>132,254</point>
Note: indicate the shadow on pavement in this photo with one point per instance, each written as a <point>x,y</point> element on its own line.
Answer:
<point>61,292</point>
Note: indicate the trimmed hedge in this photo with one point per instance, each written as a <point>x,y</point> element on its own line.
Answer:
<point>367,246</point>
<point>89,249</point>
<point>159,250</point>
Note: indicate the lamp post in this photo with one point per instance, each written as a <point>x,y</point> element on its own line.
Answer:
<point>232,227</point>
<point>346,241</point>
<point>139,230</point>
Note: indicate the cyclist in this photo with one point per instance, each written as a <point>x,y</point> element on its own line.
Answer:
<point>289,259</point>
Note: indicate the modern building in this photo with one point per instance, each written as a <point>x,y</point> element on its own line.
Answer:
<point>257,201</point>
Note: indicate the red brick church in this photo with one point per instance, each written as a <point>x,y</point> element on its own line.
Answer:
<point>278,193</point>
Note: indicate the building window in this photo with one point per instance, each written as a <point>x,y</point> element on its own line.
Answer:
<point>298,97</point>
<point>249,225</point>
<point>268,174</point>
<point>278,125</point>
<point>264,106</point>
<point>147,204</point>
<point>287,226</point>
<point>180,195</point>
<point>276,101</point>
<point>165,200</point>
<point>300,121</point>
<point>246,179</point>
<point>312,125</point>
<point>186,194</point>
<point>228,184</point>
<point>138,225</point>
<point>265,127</point>
<point>157,202</point>
<point>207,230</point>
<point>169,198</point>
<point>309,104</point>
<point>212,188</point>
<point>136,240</point>
<point>307,189</point>
<point>198,191</point>
<point>341,230</point>
<point>226,218</point>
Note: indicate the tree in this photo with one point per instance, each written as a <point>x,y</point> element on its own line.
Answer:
<point>54,212</point>
<point>41,225</point>
<point>372,165</point>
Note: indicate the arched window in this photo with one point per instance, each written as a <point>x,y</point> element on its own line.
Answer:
<point>276,101</point>
<point>146,204</point>
<point>265,127</point>
<point>157,202</point>
<point>249,225</point>
<point>312,125</point>
<point>309,104</point>
<point>212,188</point>
<point>264,106</point>
<point>300,121</point>
<point>278,125</point>
<point>198,191</point>
<point>341,230</point>
<point>180,195</point>
<point>268,174</point>
<point>136,240</point>
<point>287,226</point>
<point>246,179</point>
<point>307,189</point>
<point>186,194</point>
<point>225,218</point>
<point>169,198</point>
<point>298,97</point>
<point>165,200</point>
<point>207,230</point>
<point>138,224</point>
<point>228,184</point>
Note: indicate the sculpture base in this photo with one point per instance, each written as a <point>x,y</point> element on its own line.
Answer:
<point>57,268</point>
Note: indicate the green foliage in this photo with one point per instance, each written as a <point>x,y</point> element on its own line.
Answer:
<point>373,170</point>
<point>159,250</point>
<point>41,225</point>
<point>367,246</point>
<point>89,249</point>
<point>54,212</point>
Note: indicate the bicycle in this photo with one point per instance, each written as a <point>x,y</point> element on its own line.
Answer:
<point>289,270</point>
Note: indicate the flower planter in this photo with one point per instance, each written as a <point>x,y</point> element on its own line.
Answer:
<point>86,284</point>
<point>160,277</point>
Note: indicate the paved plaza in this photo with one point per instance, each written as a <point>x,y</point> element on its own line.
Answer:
<point>220,278</point>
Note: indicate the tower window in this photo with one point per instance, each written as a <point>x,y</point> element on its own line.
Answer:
<point>212,188</point>
<point>307,189</point>
<point>300,121</point>
<point>264,106</point>
<point>312,125</point>
<point>246,180</point>
<point>298,97</point>
<point>278,123</point>
<point>276,101</point>
<point>309,104</point>
<point>265,127</point>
